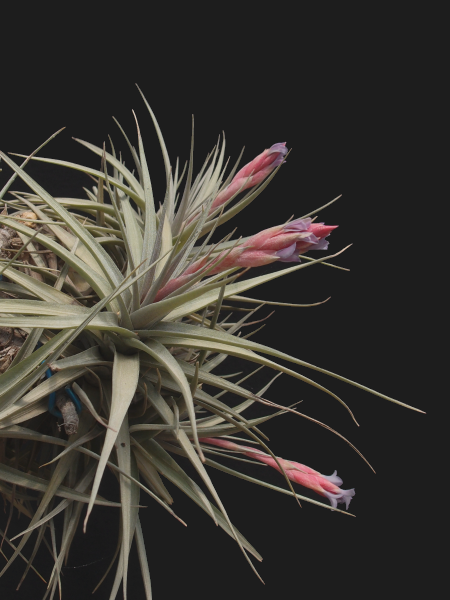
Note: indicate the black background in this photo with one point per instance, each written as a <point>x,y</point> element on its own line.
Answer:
<point>357,99</point>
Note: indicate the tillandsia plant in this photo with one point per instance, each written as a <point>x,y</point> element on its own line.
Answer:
<point>112,321</point>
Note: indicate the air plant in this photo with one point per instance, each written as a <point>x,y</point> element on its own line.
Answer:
<point>111,324</point>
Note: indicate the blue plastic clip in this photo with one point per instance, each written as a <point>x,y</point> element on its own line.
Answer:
<point>52,400</point>
<point>52,396</point>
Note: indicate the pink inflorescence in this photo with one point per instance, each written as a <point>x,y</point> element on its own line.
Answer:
<point>281,243</point>
<point>253,173</point>
<point>325,485</point>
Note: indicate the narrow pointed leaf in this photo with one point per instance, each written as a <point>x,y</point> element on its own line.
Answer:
<point>127,175</point>
<point>209,297</point>
<point>96,174</point>
<point>158,352</point>
<point>101,256</point>
<point>124,381</point>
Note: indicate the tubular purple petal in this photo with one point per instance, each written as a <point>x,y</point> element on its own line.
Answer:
<point>297,225</point>
<point>288,254</point>
<point>344,497</point>
<point>334,479</point>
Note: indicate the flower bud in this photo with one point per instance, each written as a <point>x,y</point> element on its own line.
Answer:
<point>255,171</point>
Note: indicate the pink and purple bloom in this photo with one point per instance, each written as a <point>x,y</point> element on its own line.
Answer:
<point>281,243</point>
<point>286,242</point>
<point>325,485</point>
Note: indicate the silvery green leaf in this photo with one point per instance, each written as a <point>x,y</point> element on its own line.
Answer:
<point>26,161</point>
<point>167,466</point>
<point>205,377</point>
<point>159,353</point>
<point>147,470</point>
<point>91,356</point>
<point>27,347</point>
<point>96,174</point>
<point>132,150</point>
<point>160,137</point>
<point>143,561</point>
<point>68,240</point>
<point>51,488</point>
<point>117,164</point>
<point>273,303</point>
<point>105,321</point>
<point>108,266</point>
<point>89,206</point>
<point>134,235</point>
<point>9,542</point>
<point>166,245</point>
<point>235,342</point>
<point>148,241</point>
<point>191,306</point>
<point>35,402</point>
<point>14,376</point>
<point>236,350</point>
<point>129,499</point>
<point>143,317</point>
<point>125,376</point>
<point>181,212</point>
<point>171,385</point>
<point>37,288</point>
<point>98,283</point>
<point>17,290</point>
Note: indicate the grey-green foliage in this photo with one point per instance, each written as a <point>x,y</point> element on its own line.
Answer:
<point>139,365</point>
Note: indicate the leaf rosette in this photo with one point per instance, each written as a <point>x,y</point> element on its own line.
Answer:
<point>121,303</point>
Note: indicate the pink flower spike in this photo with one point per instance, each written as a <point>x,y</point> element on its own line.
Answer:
<point>325,485</point>
<point>255,171</point>
<point>281,236</point>
<point>275,154</point>
<point>280,243</point>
